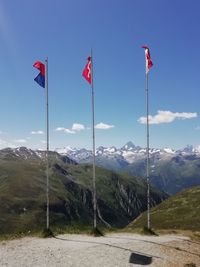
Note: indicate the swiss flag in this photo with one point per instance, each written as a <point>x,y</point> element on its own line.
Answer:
<point>149,63</point>
<point>87,72</point>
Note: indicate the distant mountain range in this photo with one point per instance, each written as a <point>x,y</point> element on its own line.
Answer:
<point>120,197</point>
<point>170,170</point>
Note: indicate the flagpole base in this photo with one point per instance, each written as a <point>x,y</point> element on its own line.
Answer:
<point>96,232</point>
<point>148,231</point>
<point>47,232</point>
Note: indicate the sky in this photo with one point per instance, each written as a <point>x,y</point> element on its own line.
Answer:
<point>65,31</point>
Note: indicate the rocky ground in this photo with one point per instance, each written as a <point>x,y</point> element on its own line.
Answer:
<point>112,250</point>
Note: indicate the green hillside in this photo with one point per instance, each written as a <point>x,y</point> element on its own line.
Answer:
<point>120,197</point>
<point>179,212</point>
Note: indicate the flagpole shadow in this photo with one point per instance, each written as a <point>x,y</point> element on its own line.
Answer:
<point>161,244</point>
<point>135,256</point>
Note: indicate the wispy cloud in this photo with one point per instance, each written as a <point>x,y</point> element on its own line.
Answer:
<point>22,141</point>
<point>65,130</point>
<point>167,117</point>
<point>76,127</point>
<point>37,132</point>
<point>60,129</point>
<point>103,126</point>
<point>69,131</point>
<point>4,143</point>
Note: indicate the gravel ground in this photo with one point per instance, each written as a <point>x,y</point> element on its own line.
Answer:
<point>122,250</point>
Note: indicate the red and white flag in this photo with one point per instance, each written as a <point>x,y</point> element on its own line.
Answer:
<point>87,72</point>
<point>149,62</point>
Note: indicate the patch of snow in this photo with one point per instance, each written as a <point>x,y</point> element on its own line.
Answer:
<point>168,150</point>
<point>65,150</point>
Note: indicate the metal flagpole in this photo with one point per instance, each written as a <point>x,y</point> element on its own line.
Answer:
<point>93,137</point>
<point>47,136</point>
<point>149,64</point>
<point>147,152</point>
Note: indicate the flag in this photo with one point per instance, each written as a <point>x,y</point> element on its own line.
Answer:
<point>40,79</point>
<point>87,72</point>
<point>149,63</point>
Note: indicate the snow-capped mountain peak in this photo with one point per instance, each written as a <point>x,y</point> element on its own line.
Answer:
<point>127,154</point>
<point>128,146</point>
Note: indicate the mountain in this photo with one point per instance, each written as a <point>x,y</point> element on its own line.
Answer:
<point>120,197</point>
<point>170,170</point>
<point>128,146</point>
<point>181,211</point>
<point>171,174</point>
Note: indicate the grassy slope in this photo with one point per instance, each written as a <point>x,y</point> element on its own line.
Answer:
<point>181,211</point>
<point>23,196</point>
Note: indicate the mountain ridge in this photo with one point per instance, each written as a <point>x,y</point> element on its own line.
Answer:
<point>129,151</point>
<point>170,170</point>
<point>120,197</point>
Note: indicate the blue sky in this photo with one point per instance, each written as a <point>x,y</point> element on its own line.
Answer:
<point>65,31</point>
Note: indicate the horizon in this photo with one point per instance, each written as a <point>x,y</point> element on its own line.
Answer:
<point>116,31</point>
<point>97,147</point>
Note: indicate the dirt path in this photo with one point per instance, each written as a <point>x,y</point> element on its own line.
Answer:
<point>123,250</point>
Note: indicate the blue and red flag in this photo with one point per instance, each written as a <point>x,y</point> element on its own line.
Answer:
<point>40,79</point>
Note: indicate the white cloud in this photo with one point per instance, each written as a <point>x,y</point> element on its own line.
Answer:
<point>43,141</point>
<point>60,129</point>
<point>103,126</point>
<point>20,141</point>
<point>69,131</point>
<point>37,132</point>
<point>167,117</point>
<point>78,127</point>
<point>4,143</point>
<point>65,130</point>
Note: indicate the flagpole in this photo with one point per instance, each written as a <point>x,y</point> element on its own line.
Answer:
<point>47,141</point>
<point>147,152</point>
<point>93,138</point>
